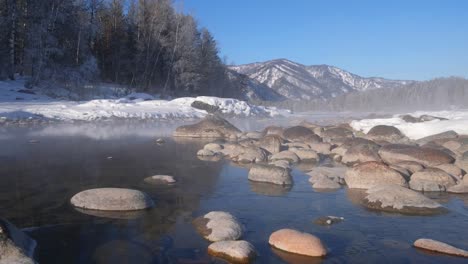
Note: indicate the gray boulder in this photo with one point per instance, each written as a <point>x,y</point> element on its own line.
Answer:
<point>429,157</point>
<point>371,173</point>
<point>272,143</point>
<point>387,133</point>
<point>210,127</point>
<point>300,134</point>
<point>394,198</point>
<point>363,152</point>
<point>271,174</point>
<point>112,199</point>
<point>431,180</point>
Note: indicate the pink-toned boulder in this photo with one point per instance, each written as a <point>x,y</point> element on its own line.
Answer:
<point>437,246</point>
<point>297,242</point>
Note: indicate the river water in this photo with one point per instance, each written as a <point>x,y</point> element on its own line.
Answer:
<point>41,168</point>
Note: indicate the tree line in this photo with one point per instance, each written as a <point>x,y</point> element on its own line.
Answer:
<point>144,44</point>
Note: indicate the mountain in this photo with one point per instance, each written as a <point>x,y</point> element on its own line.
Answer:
<point>295,81</point>
<point>249,89</point>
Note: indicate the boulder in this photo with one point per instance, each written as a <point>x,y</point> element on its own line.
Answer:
<point>395,153</point>
<point>233,251</point>
<point>440,247</point>
<point>252,155</point>
<point>335,174</point>
<point>387,133</point>
<point>285,155</point>
<point>232,150</point>
<point>271,174</point>
<point>272,143</point>
<point>394,198</point>
<point>335,133</point>
<point>210,127</point>
<point>294,241</point>
<point>431,180</point>
<point>305,154</point>
<point>214,147</point>
<point>462,162</point>
<point>325,184</point>
<point>358,153</point>
<point>299,134</point>
<point>459,188</point>
<point>273,130</point>
<point>218,226</point>
<point>371,173</point>
<point>205,153</point>
<point>444,135</point>
<point>112,199</point>
<point>160,179</point>
<point>15,246</point>
<point>451,169</point>
<point>412,166</point>
<point>321,147</point>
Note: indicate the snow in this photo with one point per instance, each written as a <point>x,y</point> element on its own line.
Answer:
<point>17,105</point>
<point>457,121</point>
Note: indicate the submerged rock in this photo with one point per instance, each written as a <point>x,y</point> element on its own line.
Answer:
<point>210,127</point>
<point>328,220</point>
<point>371,173</point>
<point>269,189</point>
<point>233,251</point>
<point>325,184</point>
<point>271,174</point>
<point>218,226</point>
<point>15,246</point>
<point>431,180</point>
<point>112,199</point>
<point>394,198</point>
<point>294,241</point>
<point>440,247</point>
<point>160,179</point>
<point>395,153</point>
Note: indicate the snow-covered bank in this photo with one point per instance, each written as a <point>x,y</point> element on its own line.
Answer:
<point>457,121</point>
<point>17,103</point>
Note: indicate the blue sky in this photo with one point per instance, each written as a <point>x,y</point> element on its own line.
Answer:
<point>411,39</point>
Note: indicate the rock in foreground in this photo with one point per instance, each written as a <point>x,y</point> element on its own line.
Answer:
<point>233,251</point>
<point>394,198</point>
<point>437,246</point>
<point>15,245</point>
<point>271,174</point>
<point>218,226</point>
<point>112,199</point>
<point>293,241</point>
<point>210,127</point>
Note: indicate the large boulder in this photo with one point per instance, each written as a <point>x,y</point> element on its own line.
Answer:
<point>371,173</point>
<point>252,155</point>
<point>285,155</point>
<point>294,241</point>
<point>358,153</point>
<point>387,133</point>
<point>305,154</point>
<point>112,199</point>
<point>210,127</point>
<point>270,174</point>
<point>300,134</point>
<point>233,251</point>
<point>437,137</point>
<point>429,157</point>
<point>335,174</point>
<point>336,134</point>
<point>218,226</point>
<point>272,143</point>
<point>451,169</point>
<point>394,198</point>
<point>462,162</point>
<point>15,246</point>
<point>431,180</point>
<point>411,166</point>
<point>440,247</point>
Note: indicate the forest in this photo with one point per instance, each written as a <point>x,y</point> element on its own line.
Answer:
<point>148,45</point>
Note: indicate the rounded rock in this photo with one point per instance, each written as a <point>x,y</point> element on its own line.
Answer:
<point>233,251</point>
<point>112,199</point>
<point>297,242</point>
<point>437,246</point>
<point>431,180</point>
<point>218,226</point>
<point>371,173</point>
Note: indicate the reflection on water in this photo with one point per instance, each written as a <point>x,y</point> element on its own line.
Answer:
<point>37,181</point>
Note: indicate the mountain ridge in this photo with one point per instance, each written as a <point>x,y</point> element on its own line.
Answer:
<point>297,81</point>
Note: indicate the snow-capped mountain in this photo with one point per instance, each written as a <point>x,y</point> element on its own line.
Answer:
<point>300,82</point>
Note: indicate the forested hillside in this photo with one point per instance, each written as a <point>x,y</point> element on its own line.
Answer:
<point>144,44</point>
